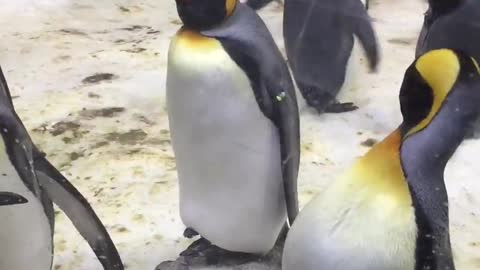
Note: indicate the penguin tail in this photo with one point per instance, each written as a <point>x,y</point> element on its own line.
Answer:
<point>361,26</point>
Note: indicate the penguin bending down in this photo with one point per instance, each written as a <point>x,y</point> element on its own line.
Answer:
<point>235,128</point>
<point>390,210</point>
<point>8,198</point>
<point>26,234</point>
<point>452,24</point>
<point>319,39</point>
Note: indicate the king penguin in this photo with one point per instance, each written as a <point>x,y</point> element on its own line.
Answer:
<point>9,198</point>
<point>452,24</point>
<point>26,234</point>
<point>258,4</point>
<point>234,127</point>
<point>390,210</point>
<point>319,39</point>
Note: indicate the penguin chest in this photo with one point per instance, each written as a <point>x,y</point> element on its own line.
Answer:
<point>350,227</point>
<point>25,233</point>
<point>227,151</point>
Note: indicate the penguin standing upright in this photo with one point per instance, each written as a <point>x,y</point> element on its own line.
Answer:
<point>319,39</point>
<point>235,129</point>
<point>9,198</point>
<point>26,234</point>
<point>390,210</point>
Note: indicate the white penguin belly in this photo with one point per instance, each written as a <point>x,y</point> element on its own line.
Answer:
<point>227,151</point>
<point>351,233</point>
<point>25,233</point>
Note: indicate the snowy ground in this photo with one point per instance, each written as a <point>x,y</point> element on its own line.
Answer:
<point>88,79</point>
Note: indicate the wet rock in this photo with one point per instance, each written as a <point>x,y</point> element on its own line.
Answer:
<point>64,126</point>
<point>369,142</point>
<point>131,137</point>
<point>104,112</point>
<point>98,77</point>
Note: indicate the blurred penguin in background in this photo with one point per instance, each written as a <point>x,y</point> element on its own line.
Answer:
<point>452,24</point>
<point>319,39</point>
<point>258,4</point>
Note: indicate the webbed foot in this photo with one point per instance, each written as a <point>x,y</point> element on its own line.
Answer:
<point>190,233</point>
<point>337,107</point>
<point>324,101</point>
<point>203,253</point>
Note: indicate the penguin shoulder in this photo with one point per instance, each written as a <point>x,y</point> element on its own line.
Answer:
<point>377,178</point>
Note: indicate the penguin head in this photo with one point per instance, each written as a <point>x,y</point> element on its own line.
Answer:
<point>439,80</point>
<point>204,14</point>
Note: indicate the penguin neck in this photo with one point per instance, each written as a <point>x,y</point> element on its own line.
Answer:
<point>428,151</point>
<point>424,156</point>
<point>201,28</point>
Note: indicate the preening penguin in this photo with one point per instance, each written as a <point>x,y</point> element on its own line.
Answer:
<point>390,210</point>
<point>26,234</point>
<point>234,125</point>
<point>8,198</point>
<point>319,38</point>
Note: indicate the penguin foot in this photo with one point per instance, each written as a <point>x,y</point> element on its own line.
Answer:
<point>171,265</point>
<point>323,101</point>
<point>190,233</point>
<point>203,253</point>
<point>337,107</point>
<point>200,257</point>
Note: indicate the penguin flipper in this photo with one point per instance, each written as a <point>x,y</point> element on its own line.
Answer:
<point>6,97</point>
<point>359,22</point>
<point>286,117</point>
<point>76,207</point>
<point>9,198</point>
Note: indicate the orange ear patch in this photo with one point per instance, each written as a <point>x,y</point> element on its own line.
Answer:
<point>194,40</point>
<point>230,6</point>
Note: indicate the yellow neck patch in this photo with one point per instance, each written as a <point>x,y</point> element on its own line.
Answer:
<point>230,6</point>
<point>380,170</point>
<point>440,69</point>
<point>194,41</point>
